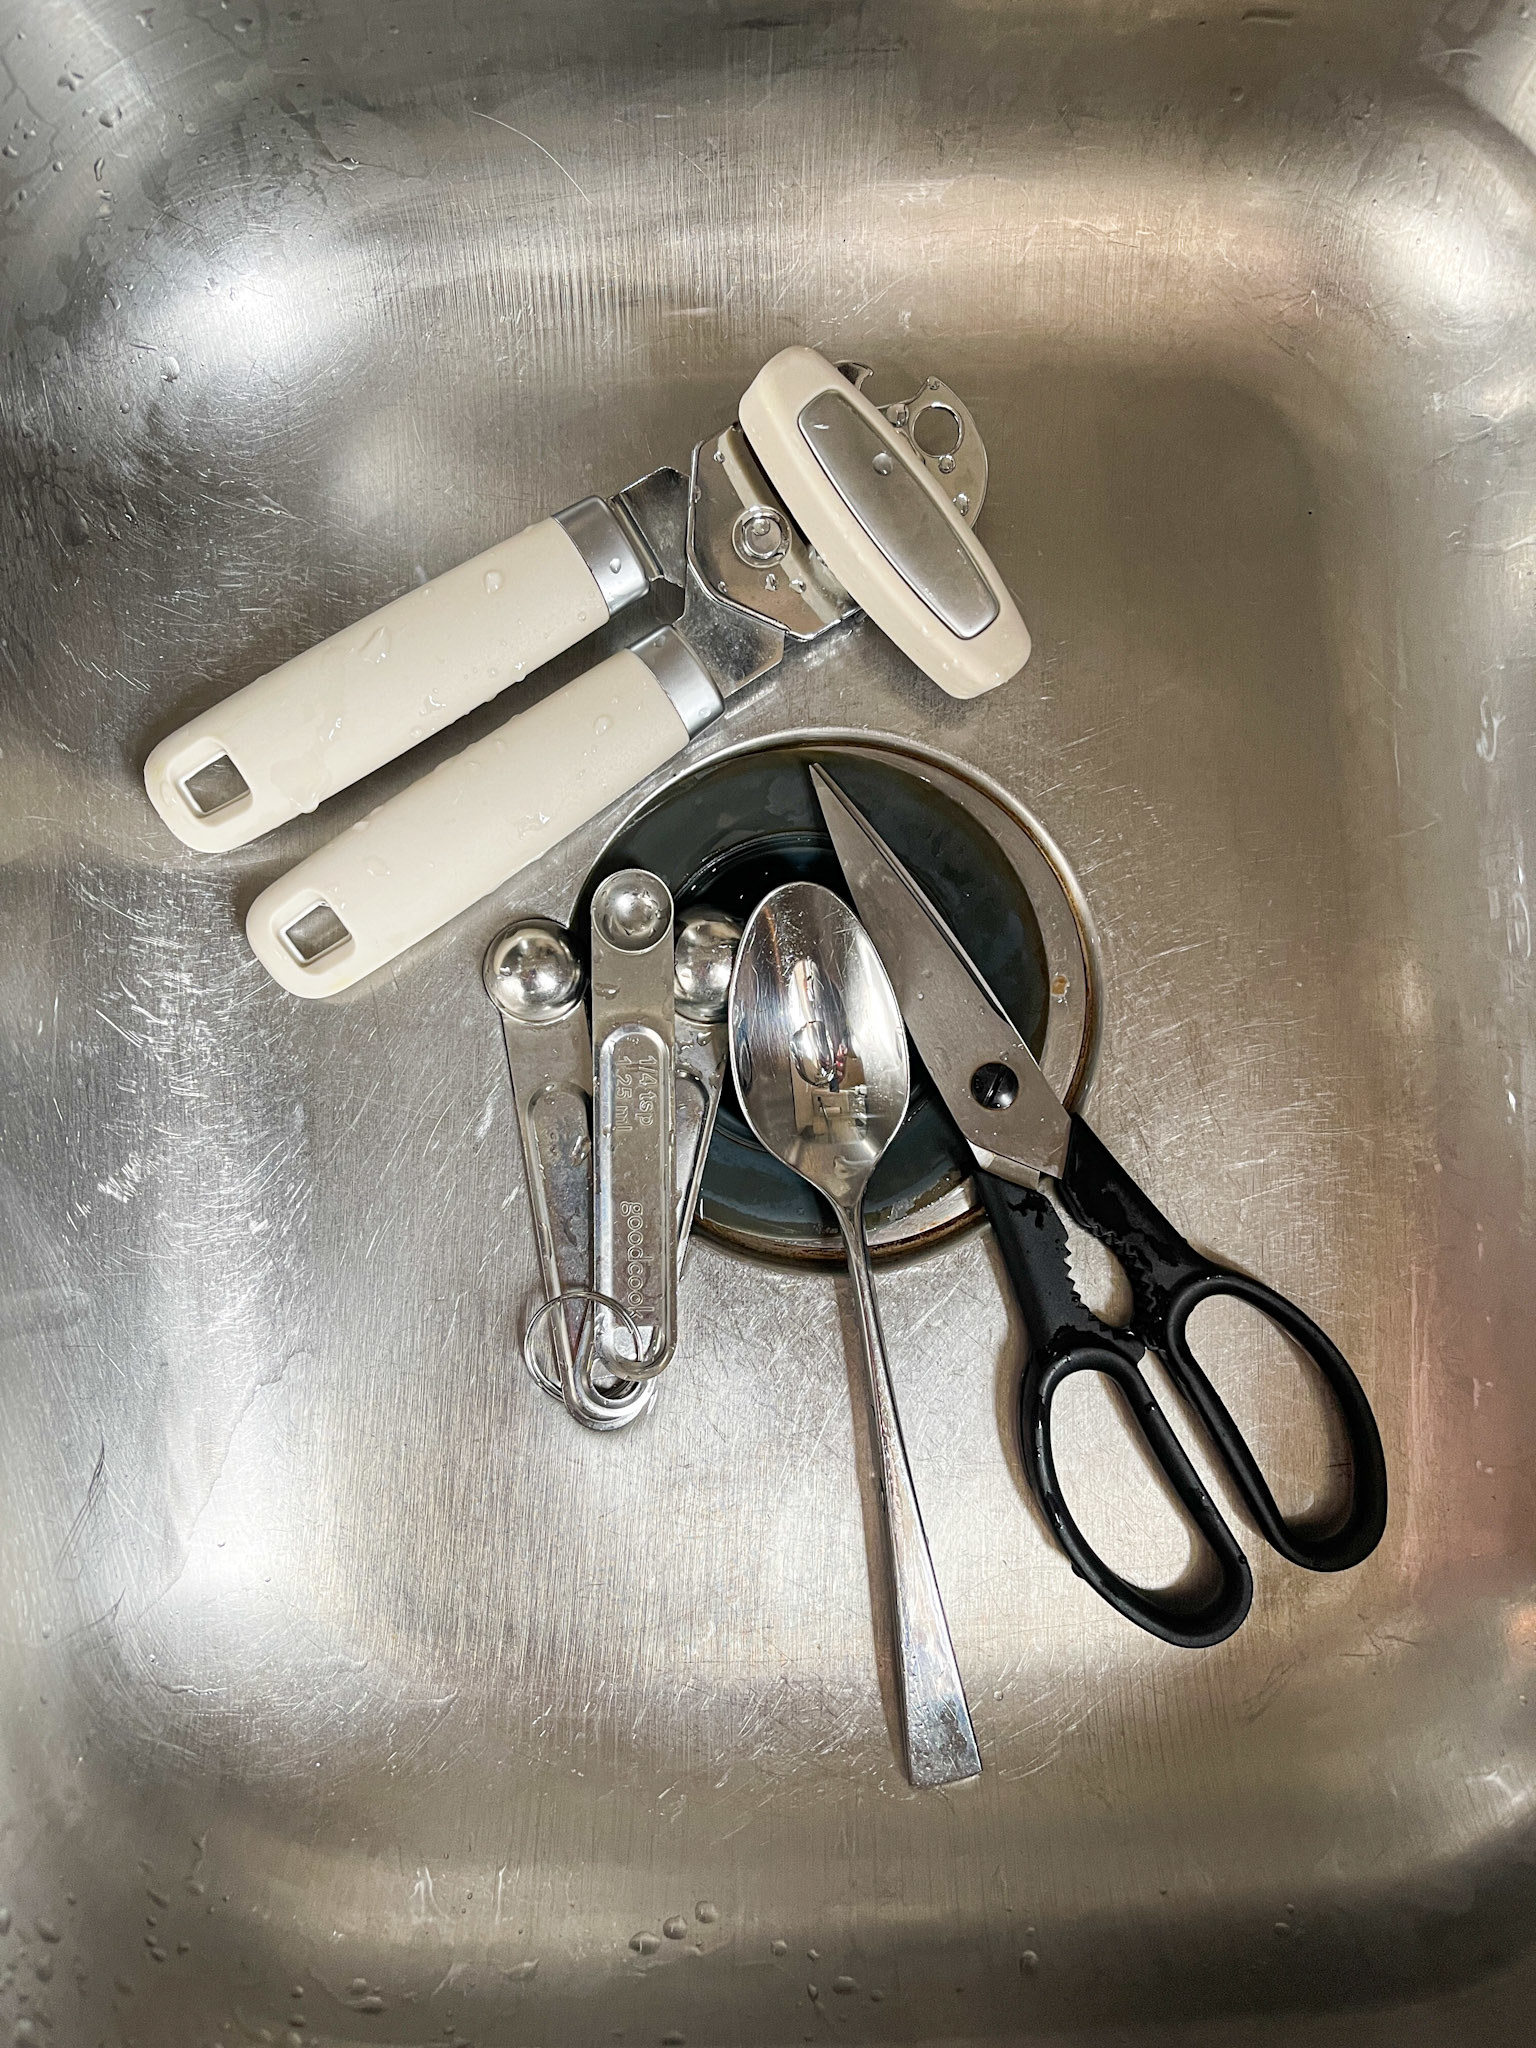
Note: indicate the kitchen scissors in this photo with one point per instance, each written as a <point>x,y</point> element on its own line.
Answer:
<point>1024,1140</point>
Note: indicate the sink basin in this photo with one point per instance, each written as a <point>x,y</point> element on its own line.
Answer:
<point>351,1692</point>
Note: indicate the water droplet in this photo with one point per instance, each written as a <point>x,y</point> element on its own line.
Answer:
<point>581,618</point>
<point>645,1944</point>
<point>376,867</point>
<point>493,580</point>
<point>706,1912</point>
<point>883,464</point>
<point>778,1948</point>
<point>336,728</point>
<point>844,1986</point>
<point>358,1986</point>
<point>5,1919</point>
<point>111,118</point>
<point>614,566</point>
<point>44,1969</point>
<point>372,2003</point>
<point>1029,1962</point>
<point>675,1928</point>
<point>601,725</point>
<point>77,528</point>
<point>170,370</point>
<point>672,2040</point>
<point>145,17</point>
<point>46,1931</point>
<point>376,646</point>
<point>8,150</point>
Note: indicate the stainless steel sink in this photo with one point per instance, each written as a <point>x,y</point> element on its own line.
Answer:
<point>351,1692</point>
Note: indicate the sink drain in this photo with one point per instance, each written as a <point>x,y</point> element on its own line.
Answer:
<point>742,824</point>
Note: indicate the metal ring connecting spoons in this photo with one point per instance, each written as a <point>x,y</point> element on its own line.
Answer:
<point>819,1055</point>
<point>537,1372</point>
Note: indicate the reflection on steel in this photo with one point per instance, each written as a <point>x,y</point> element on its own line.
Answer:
<point>311,1604</point>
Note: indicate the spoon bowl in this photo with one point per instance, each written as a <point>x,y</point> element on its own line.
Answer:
<point>818,1047</point>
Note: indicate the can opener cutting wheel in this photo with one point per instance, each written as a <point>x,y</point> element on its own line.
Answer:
<point>815,505</point>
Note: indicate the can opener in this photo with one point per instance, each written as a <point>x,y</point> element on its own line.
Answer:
<point>813,506</point>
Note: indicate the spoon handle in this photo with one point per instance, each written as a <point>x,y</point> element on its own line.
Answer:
<point>936,1723</point>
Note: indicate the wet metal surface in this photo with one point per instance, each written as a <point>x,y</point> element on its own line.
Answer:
<point>351,1693</point>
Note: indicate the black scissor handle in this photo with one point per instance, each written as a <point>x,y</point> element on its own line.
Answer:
<point>1067,1338</point>
<point>1169,1279</point>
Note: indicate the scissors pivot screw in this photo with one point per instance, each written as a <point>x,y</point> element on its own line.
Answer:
<point>995,1086</point>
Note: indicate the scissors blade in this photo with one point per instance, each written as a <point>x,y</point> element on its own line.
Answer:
<point>956,1022</point>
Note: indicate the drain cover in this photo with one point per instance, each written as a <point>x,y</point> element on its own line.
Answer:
<point>741,825</point>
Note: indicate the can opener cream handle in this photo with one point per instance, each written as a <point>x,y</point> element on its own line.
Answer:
<point>336,712</point>
<point>473,823</point>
